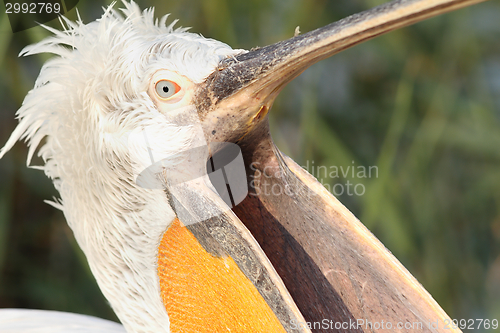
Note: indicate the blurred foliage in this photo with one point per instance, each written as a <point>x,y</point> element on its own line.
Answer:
<point>422,104</point>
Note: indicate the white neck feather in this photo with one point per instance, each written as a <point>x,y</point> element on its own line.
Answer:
<point>86,102</point>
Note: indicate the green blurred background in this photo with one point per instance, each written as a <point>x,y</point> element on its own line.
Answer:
<point>422,104</point>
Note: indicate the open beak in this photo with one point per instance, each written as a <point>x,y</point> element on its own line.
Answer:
<point>300,254</point>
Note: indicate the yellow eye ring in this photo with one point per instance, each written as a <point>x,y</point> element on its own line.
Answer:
<point>166,89</point>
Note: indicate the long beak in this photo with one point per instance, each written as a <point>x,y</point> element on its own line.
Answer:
<point>256,77</point>
<point>331,265</point>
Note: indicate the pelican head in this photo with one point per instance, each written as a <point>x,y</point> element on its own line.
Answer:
<point>122,93</point>
<point>125,117</point>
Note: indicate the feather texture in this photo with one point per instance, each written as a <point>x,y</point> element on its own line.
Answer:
<point>86,102</point>
<point>39,321</point>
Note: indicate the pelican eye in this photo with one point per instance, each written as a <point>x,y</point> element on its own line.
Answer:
<point>166,89</point>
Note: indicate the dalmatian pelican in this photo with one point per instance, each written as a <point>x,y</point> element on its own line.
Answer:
<point>132,111</point>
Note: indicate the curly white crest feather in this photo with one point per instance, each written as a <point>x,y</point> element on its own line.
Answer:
<point>85,100</point>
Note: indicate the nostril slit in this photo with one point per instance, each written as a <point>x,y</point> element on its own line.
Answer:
<point>262,112</point>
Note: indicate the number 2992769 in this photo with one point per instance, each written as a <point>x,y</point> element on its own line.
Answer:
<point>32,8</point>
